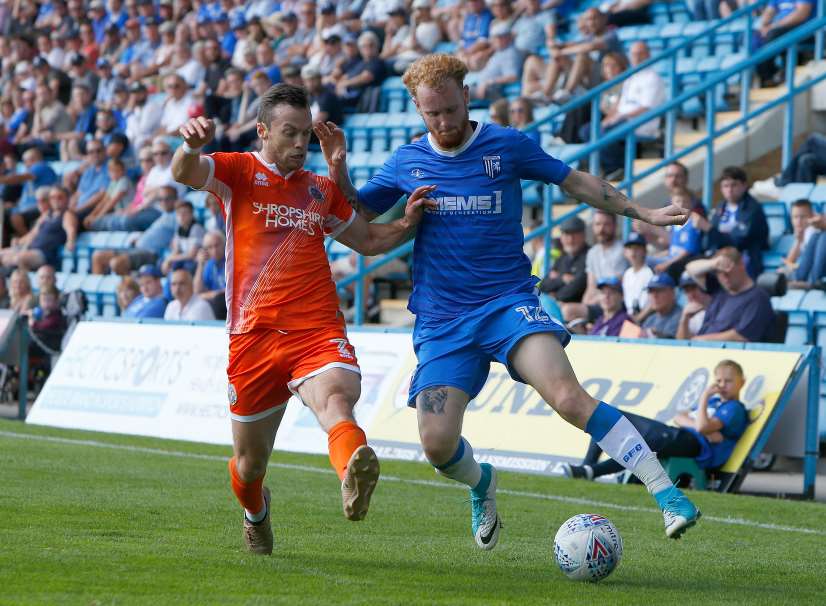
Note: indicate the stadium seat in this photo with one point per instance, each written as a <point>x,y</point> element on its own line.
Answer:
<point>788,302</point>
<point>813,300</point>
<point>796,191</point>
<point>800,328</point>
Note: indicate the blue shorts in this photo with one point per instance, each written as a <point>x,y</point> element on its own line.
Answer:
<point>458,352</point>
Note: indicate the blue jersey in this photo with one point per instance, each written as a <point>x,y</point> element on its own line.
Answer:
<point>735,420</point>
<point>468,251</point>
<point>685,238</point>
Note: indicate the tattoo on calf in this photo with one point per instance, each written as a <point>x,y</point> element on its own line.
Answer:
<point>433,400</point>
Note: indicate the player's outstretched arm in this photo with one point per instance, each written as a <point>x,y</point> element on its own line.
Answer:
<point>188,166</point>
<point>601,194</point>
<point>371,239</point>
<point>334,148</point>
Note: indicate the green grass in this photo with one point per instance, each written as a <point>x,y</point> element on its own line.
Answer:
<point>84,524</point>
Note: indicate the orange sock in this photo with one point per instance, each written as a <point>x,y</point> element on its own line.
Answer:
<point>343,440</point>
<point>249,494</point>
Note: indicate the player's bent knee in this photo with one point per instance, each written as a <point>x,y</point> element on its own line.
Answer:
<point>250,466</point>
<point>438,446</point>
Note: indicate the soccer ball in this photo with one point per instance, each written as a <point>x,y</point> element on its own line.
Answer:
<point>587,547</point>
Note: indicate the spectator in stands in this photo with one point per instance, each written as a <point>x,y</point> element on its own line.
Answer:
<point>160,175</point>
<point>640,93</point>
<point>331,53</point>
<point>241,132</point>
<point>150,303</point>
<point>425,35</point>
<point>475,30</point>
<point>801,215</point>
<point>20,291</point>
<point>613,316</point>
<point>53,229</point>
<point>812,267</point>
<point>739,309</point>
<point>324,105</point>
<point>532,26</point>
<point>572,61</point>
<point>225,104</point>
<point>499,112</point>
<point>47,324</point>
<point>294,43</point>
<point>46,277</point>
<point>176,106</point>
<point>126,292</point>
<point>210,280</point>
<point>737,221</point>
<point>638,276</point>
<point>143,117</point>
<point>215,220</point>
<point>84,111</point>
<point>5,299</point>
<point>661,317</point>
<point>396,32</point>
<point>629,12</point>
<point>520,114</point>
<point>707,434</point>
<point>107,84</point>
<point>567,279</point>
<point>187,240</point>
<point>36,173</point>
<point>94,179</point>
<point>504,66</point>
<point>778,18</point>
<point>117,197</point>
<point>681,243</point>
<point>605,259</point>
<point>145,247</point>
<point>364,77</point>
<point>106,126</point>
<point>186,305</point>
<point>806,166</point>
<point>694,312</point>
<point>216,67</point>
<point>50,120</point>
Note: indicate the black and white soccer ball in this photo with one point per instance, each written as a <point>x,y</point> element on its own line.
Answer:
<point>587,547</point>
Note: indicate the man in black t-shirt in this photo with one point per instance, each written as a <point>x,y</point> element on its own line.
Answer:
<point>324,104</point>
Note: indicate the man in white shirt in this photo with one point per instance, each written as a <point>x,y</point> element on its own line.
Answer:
<point>186,305</point>
<point>176,107</point>
<point>143,117</point>
<point>640,93</point>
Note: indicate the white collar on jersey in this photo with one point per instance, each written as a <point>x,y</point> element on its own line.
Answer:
<point>272,166</point>
<point>452,153</point>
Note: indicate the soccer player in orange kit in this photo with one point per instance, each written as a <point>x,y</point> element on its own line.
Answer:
<point>287,335</point>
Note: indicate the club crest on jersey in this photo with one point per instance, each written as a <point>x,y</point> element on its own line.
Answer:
<point>493,165</point>
<point>417,173</point>
<point>261,179</point>
<point>316,193</point>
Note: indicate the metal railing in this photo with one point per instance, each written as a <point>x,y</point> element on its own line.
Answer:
<point>787,43</point>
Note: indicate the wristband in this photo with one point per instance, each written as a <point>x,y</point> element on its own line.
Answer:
<point>191,151</point>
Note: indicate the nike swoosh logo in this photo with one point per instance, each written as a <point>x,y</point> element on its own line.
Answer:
<point>486,538</point>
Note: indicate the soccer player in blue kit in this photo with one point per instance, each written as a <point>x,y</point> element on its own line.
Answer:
<point>473,293</point>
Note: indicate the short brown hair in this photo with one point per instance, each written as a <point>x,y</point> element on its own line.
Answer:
<point>433,70</point>
<point>735,173</point>
<point>730,252</point>
<point>281,94</point>
<point>732,365</point>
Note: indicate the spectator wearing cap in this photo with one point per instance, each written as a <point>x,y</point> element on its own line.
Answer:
<point>210,275</point>
<point>45,73</point>
<point>738,221</point>
<point>324,104</point>
<point>567,279</point>
<point>396,32</point>
<point>610,322</point>
<point>35,174</point>
<point>94,179</point>
<point>144,247</point>
<point>185,304</point>
<point>175,106</point>
<point>107,83</point>
<point>694,311</point>
<point>360,84</point>
<point>187,240</point>
<point>377,12</point>
<point>143,117</point>
<point>330,56</point>
<point>110,47</point>
<point>150,303</point>
<point>604,260</point>
<point>637,277</point>
<point>106,126</point>
<point>425,35</point>
<point>326,25</point>
<point>292,47</point>
<point>661,317</point>
<point>81,72</point>
<point>739,309</point>
<point>504,66</point>
<point>291,74</point>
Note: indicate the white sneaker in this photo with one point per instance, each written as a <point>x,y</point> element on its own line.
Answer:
<point>485,523</point>
<point>767,188</point>
<point>561,97</point>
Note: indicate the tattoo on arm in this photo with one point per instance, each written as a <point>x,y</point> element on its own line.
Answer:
<point>611,196</point>
<point>433,400</point>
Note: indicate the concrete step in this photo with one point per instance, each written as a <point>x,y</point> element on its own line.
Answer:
<point>394,312</point>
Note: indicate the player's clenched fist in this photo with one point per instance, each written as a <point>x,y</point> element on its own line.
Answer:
<point>198,132</point>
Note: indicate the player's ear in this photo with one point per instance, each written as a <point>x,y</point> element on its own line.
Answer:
<point>262,131</point>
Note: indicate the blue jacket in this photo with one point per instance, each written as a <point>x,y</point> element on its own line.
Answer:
<point>750,235</point>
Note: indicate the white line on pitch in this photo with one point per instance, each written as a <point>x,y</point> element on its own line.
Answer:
<point>386,478</point>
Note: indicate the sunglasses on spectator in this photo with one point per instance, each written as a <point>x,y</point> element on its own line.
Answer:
<point>146,158</point>
<point>160,152</point>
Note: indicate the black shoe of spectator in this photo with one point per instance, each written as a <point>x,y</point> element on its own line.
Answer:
<point>578,472</point>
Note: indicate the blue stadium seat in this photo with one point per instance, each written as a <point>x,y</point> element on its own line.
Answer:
<point>790,301</point>
<point>818,195</point>
<point>796,191</point>
<point>777,215</point>
<point>799,331</point>
<point>814,300</point>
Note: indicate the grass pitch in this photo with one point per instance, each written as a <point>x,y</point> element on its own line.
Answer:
<point>91,518</point>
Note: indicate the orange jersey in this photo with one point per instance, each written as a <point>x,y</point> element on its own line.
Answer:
<point>277,271</point>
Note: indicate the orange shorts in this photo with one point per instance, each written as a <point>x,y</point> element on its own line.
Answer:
<point>266,366</point>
